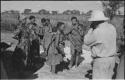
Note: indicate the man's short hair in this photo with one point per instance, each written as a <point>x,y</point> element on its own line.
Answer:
<point>74,18</point>
<point>43,20</point>
<point>59,24</point>
<point>31,17</point>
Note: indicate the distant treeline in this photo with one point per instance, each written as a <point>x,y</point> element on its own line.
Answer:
<point>9,21</point>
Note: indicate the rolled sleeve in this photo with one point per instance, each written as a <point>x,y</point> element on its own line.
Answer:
<point>89,38</point>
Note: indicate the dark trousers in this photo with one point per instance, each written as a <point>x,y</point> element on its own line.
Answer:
<point>34,52</point>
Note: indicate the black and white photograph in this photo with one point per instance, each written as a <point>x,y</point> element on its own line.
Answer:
<point>62,40</point>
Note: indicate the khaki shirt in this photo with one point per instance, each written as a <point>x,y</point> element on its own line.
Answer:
<point>102,40</point>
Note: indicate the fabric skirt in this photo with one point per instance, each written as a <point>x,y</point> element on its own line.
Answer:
<point>54,57</point>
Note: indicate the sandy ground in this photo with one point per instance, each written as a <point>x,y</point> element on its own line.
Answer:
<point>74,73</point>
<point>44,72</point>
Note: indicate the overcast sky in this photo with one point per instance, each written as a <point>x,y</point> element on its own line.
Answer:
<point>51,5</point>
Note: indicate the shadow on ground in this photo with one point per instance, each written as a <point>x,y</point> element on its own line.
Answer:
<point>64,65</point>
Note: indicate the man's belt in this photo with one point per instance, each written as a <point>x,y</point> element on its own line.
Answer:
<point>103,57</point>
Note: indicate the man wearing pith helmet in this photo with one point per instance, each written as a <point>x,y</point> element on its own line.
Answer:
<point>101,38</point>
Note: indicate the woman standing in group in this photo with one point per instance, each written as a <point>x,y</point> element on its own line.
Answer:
<point>55,48</point>
<point>46,29</point>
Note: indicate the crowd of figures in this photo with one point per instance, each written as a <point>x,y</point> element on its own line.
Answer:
<point>33,39</point>
<point>55,45</point>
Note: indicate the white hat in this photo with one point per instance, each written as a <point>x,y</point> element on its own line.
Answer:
<point>97,16</point>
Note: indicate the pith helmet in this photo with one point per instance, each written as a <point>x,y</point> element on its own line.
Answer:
<point>97,15</point>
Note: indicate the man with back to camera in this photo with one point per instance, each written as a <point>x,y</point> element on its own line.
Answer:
<point>101,38</point>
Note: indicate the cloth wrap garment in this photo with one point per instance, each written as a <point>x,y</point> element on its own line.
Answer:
<point>55,50</point>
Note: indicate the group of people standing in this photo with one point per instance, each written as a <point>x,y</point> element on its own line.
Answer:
<point>100,39</point>
<point>52,39</point>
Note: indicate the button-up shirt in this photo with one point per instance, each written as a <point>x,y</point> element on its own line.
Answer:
<point>102,40</point>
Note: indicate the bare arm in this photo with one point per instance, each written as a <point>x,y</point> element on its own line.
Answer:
<point>57,39</point>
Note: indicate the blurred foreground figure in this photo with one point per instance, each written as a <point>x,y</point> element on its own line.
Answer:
<point>3,47</point>
<point>101,38</point>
